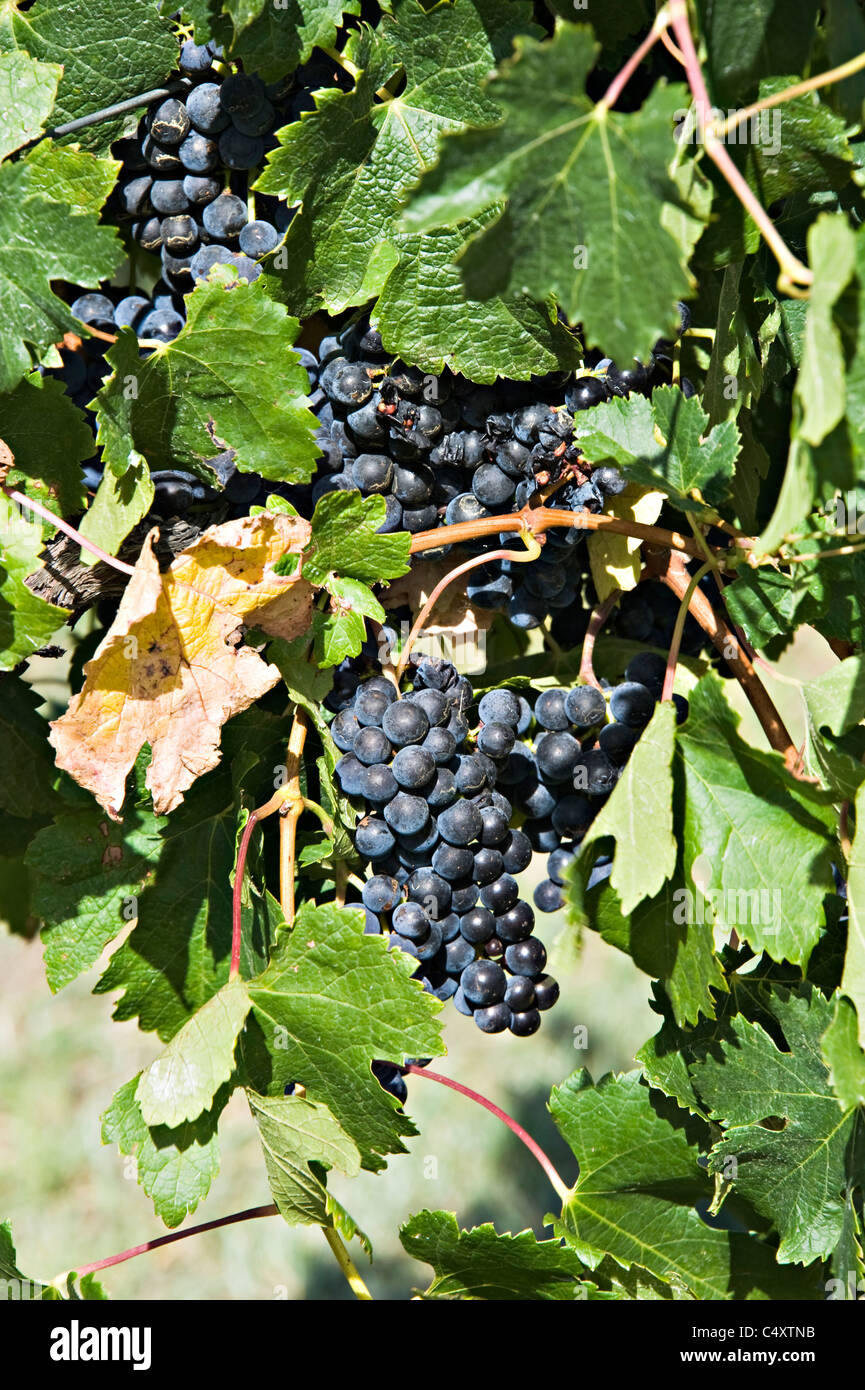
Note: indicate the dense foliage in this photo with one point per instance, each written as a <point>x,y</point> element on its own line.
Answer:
<point>336,327</point>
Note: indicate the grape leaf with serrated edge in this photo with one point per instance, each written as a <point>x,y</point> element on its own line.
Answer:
<point>351,162</point>
<point>98,69</point>
<point>639,1180</point>
<point>175,1167</point>
<point>294,1133</point>
<point>26,621</point>
<point>27,92</point>
<point>795,1174</point>
<point>182,1081</point>
<point>481,1264</point>
<point>229,379</point>
<point>273,39</point>
<point>574,181</point>
<point>330,1001</point>
<point>50,439</point>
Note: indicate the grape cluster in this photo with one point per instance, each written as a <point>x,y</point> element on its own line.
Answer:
<point>439,839</point>
<point>571,751</point>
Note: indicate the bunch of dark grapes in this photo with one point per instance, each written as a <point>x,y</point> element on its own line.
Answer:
<point>571,751</point>
<point>439,839</point>
<point>186,174</point>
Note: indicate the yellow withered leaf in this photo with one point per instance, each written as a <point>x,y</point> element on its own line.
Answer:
<point>172,669</point>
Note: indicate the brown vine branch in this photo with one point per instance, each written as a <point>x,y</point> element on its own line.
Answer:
<point>678,629</point>
<point>726,642</point>
<point>537,520</point>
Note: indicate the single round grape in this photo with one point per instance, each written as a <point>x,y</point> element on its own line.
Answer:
<point>632,704</point>
<point>585,392</point>
<point>478,925</point>
<point>617,741</point>
<point>259,239</point>
<point>179,235</point>
<point>496,740</point>
<point>450,926</point>
<point>546,992</point>
<point>559,863</point>
<point>500,707</point>
<point>371,746</point>
<point>379,784</point>
<point>484,983</point>
<point>464,897</point>
<point>548,896</point>
<point>443,790</point>
<point>242,94</point>
<point>346,383</point>
<point>194,57</point>
<point>433,892</point>
<point>370,706</point>
<point>520,993</point>
<point>526,957</point>
<point>573,815</point>
<point>434,703</point>
<point>410,920</point>
<point>536,799</point>
<point>169,121</point>
<point>487,866</point>
<point>406,814</point>
<point>373,839</point>
<point>130,311</point>
<point>556,754</point>
<point>517,923</point>
<point>648,669</point>
<point>96,310</point>
<point>168,197</point>
<point>495,827</point>
<point>453,862</point>
<point>162,160</point>
<point>595,773</point>
<point>404,723</point>
<point>493,488</point>
<point>460,823</point>
<point>433,943</point>
<point>135,195</point>
<point>163,325</point>
<point>522,1025</point>
<point>461,1004</point>
<point>381,893</point>
<point>225,216</point>
<point>550,710</point>
<point>501,895</point>
<point>459,953</point>
<point>238,151</point>
<point>343,730</point>
<point>516,852</point>
<point>585,706</point>
<point>148,234</point>
<point>205,110</point>
<point>493,1019</point>
<point>413,767</point>
<point>349,774</point>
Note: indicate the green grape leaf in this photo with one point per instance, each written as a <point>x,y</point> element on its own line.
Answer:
<point>181,1082</point>
<point>640,814</point>
<point>424,316</point>
<point>71,177</point>
<point>836,700</point>
<point>337,636</point>
<point>274,39</point>
<point>350,163</point>
<point>747,40</point>
<point>26,621</point>
<point>27,769</point>
<point>229,380</point>
<point>795,1169</point>
<point>853,979</point>
<point>820,385</point>
<point>576,181</point>
<point>844,1057</point>
<point>757,844</point>
<point>663,443</point>
<point>639,1180</point>
<point>27,92</point>
<point>88,872</point>
<point>42,241</point>
<point>120,503</point>
<point>762,602</point>
<point>50,439</point>
<point>294,1134</point>
<point>175,1167</point>
<point>98,69</point>
<point>330,1001</point>
<point>481,1264</point>
<point>848,1265</point>
<point>178,955</point>
<point>371,557</point>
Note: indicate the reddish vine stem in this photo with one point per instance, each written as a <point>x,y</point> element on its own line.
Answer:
<point>24,501</point>
<point>676,642</point>
<point>561,1188</point>
<point>596,622</point>
<point>540,519</point>
<point>251,1214</point>
<point>614,91</point>
<point>532,552</point>
<point>288,824</point>
<point>274,804</point>
<point>726,642</point>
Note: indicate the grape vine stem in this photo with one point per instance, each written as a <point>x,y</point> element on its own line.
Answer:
<point>596,622</point>
<point>251,1214</point>
<point>562,1190</point>
<point>537,520</point>
<point>794,278</point>
<point>531,552</point>
<point>678,629</point>
<point>288,823</point>
<point>28,504</point>
<point>678,579</point>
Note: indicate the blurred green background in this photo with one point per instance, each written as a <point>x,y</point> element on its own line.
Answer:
<point>72,1200</point>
